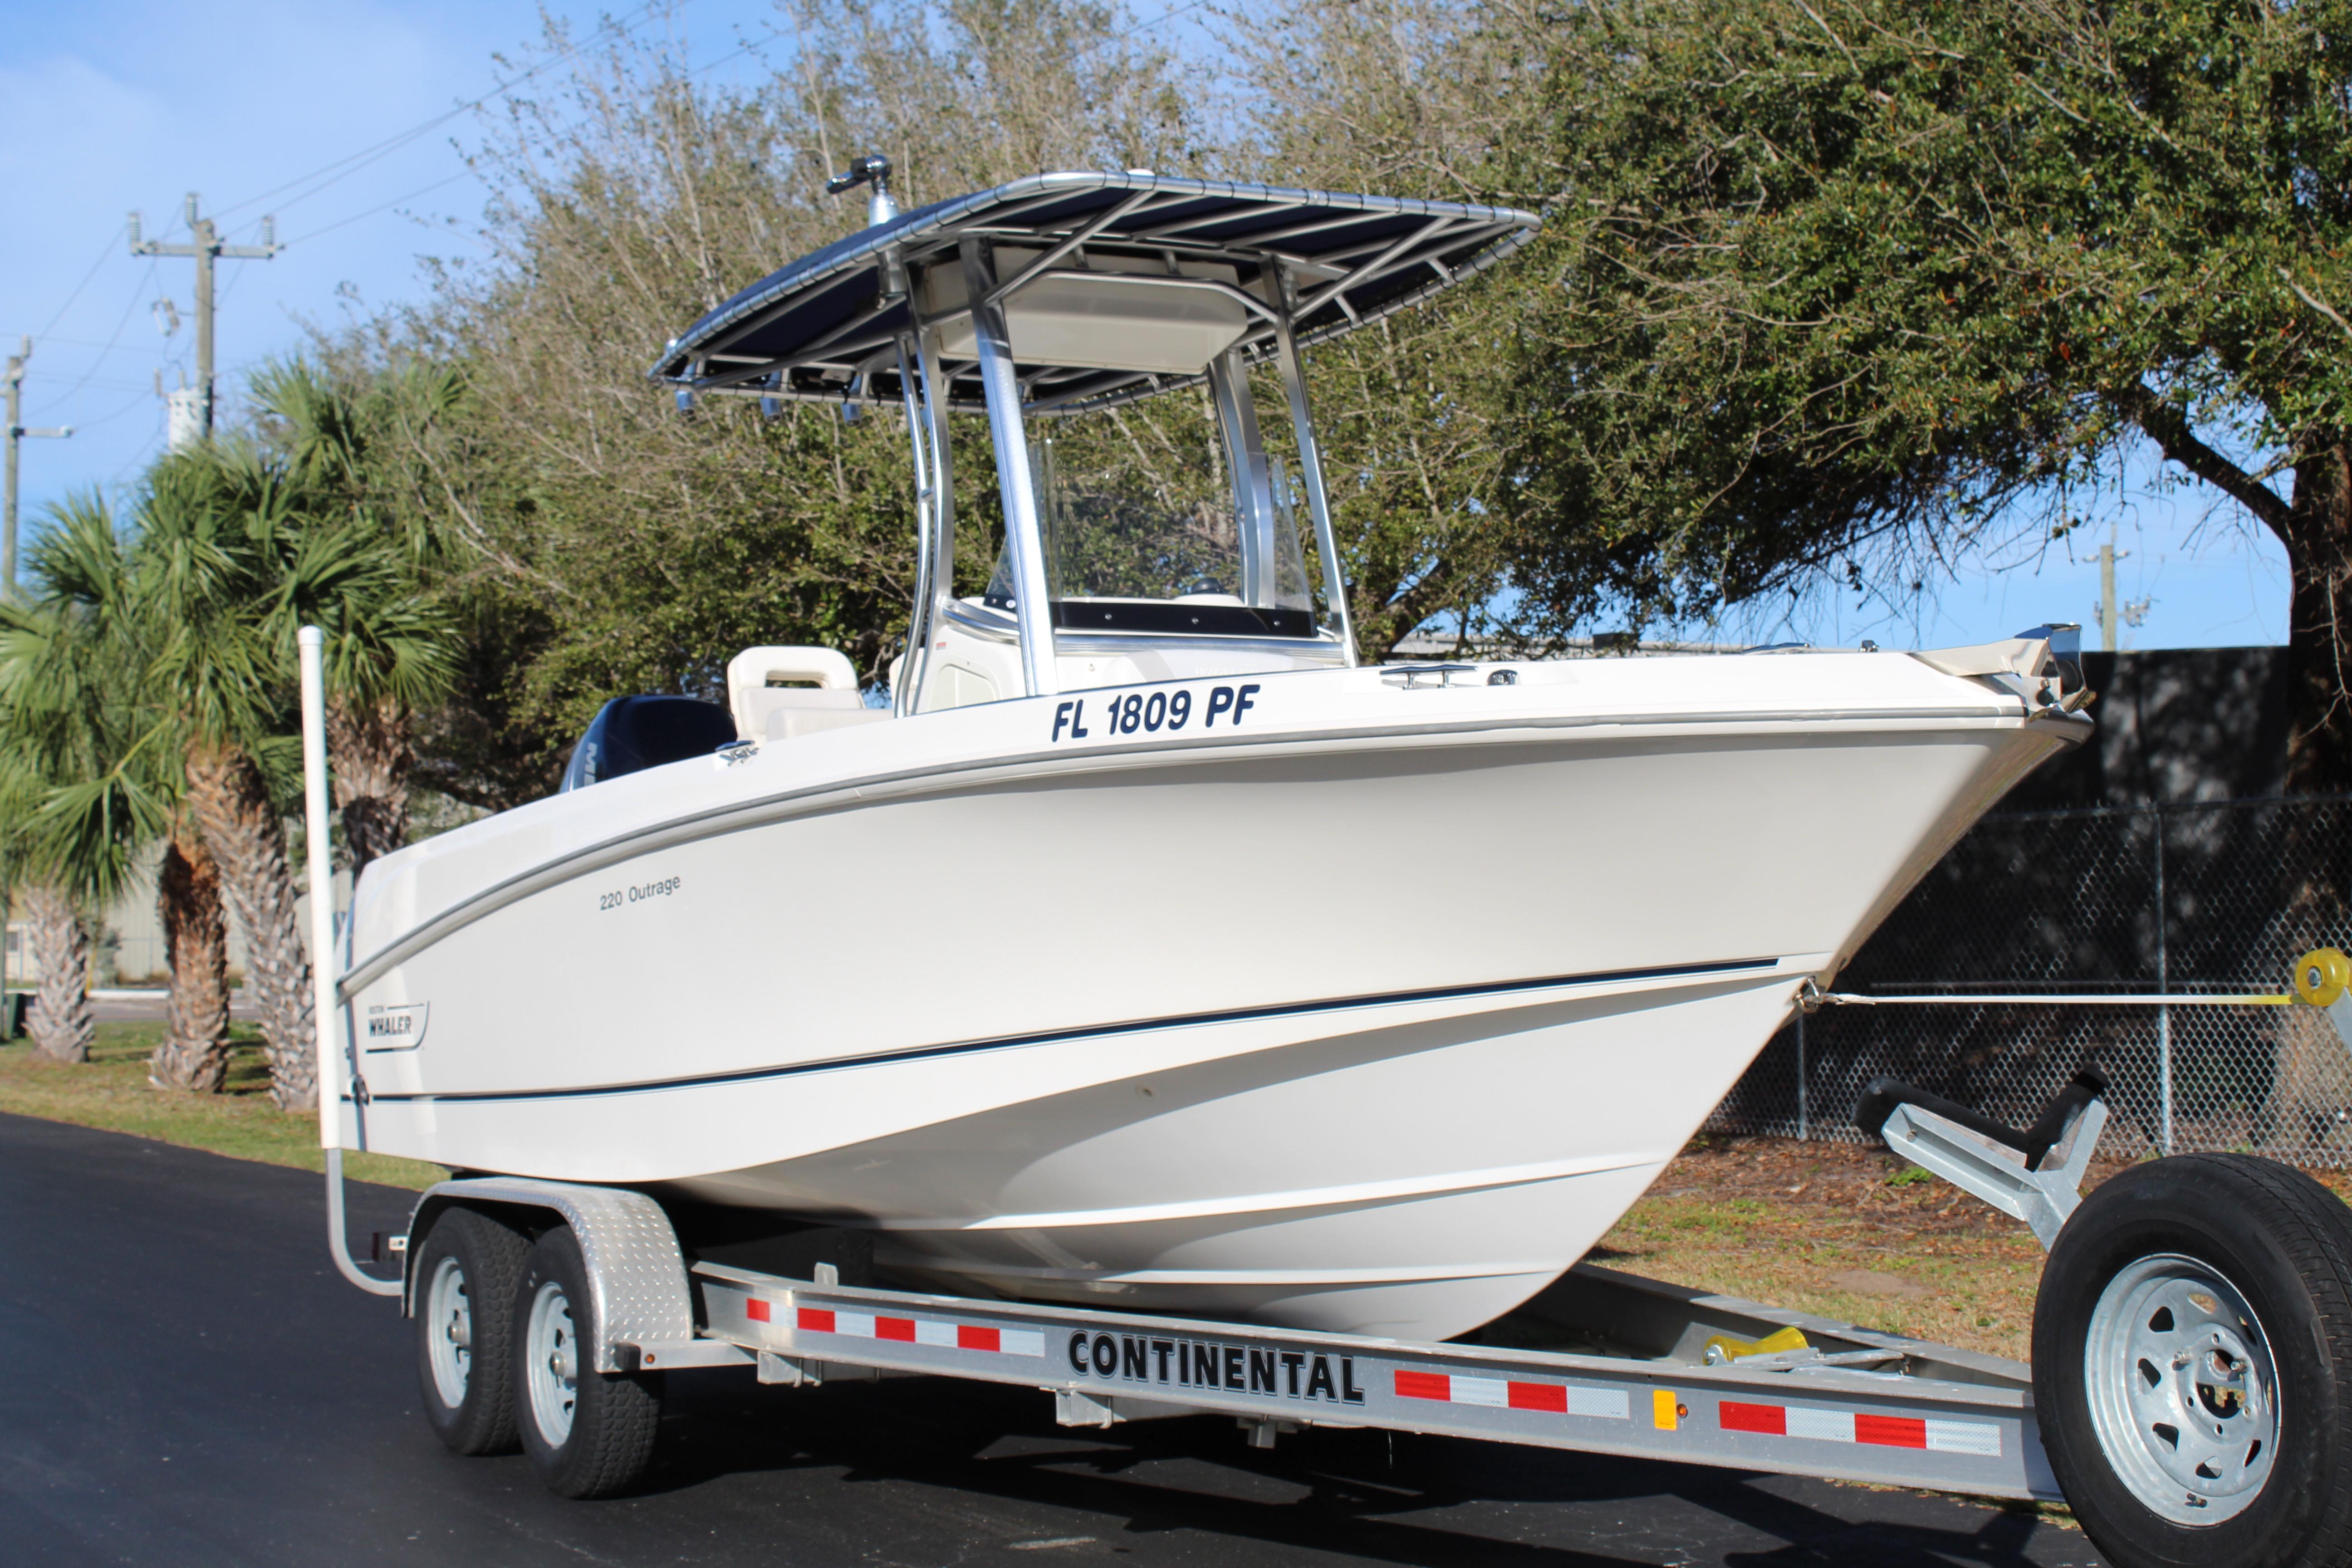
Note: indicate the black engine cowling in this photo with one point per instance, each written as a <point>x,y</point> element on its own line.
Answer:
<point>630,733</point>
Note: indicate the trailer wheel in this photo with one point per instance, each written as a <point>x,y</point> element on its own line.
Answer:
<point>588,1433</point>
<point>465,1276</point>
<point>2192,1365</point>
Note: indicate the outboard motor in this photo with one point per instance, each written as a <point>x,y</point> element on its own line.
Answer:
<point>630,733</point>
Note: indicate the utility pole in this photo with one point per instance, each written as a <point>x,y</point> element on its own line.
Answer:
<point>2108,595</point>
<point>13,379</point>
<point>205,245</point>
<point>2114,612</point>
<point>18,431</point>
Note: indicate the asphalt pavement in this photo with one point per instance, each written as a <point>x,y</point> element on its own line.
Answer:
<point>194,1384</point>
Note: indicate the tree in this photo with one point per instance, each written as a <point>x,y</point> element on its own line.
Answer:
<point>346,440</point>
<point>192,1055</point>
<point>214,526</point>
<point>88,618</point>
<point>82,785</point>
<point>1846,284</point>
<point>229,565</point>
<point>604,542</point>
<point>1408,97</point>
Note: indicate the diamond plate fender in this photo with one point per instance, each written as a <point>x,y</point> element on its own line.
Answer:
<point>637,1275</point>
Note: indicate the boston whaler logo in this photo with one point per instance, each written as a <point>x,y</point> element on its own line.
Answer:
<point>396,1029</point>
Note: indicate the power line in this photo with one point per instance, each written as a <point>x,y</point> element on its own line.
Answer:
<point>87,343</point>
<point>145,395</point>
<point>103,252</point>
<point>135,460</point>
<point>92,383</point>
<point>1163,16</point>
<point>395,201</point>
<point>453,179</point>
<point>352,163</point>
<point>328,174</point>
<point>745,50</point>
<point>147,279</point>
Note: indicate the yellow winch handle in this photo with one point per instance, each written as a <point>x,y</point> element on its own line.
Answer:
<point>2322,975</point>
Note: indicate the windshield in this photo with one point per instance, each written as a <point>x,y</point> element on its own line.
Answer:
<point>1144,531</point>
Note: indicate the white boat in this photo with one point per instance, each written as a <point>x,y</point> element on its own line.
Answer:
<point>1152,948</point>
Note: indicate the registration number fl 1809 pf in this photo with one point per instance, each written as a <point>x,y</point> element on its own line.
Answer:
<point>1151,712</point>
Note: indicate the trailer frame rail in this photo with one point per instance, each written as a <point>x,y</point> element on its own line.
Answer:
<point>1971,1430</point>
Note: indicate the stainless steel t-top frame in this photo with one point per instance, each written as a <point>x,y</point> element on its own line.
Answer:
<point>1014,478</point>
<point>1310,465</point>
<point>849,324</point>
<point>1251,474</point>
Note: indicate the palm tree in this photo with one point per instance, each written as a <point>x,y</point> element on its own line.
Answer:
<point>81,790</point>
<point>230,562</point>
<point>83,569</point>
<point>349,444</point>
<point>214,523</point>
<point>193,1054</point>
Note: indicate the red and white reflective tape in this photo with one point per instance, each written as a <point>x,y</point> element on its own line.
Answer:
<point>1496,1394</point>
<point>941,1334</point>
<point>1981,1438</point>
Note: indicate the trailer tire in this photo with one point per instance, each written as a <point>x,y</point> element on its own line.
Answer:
<point>465,1275</point>
<point>2192,1365</point>
<point>588,1433</point>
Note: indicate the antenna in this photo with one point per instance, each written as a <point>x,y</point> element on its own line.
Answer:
<point>874,170</point>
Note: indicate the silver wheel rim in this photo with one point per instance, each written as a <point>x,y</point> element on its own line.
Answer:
<point>552,1364</point>
<point>449,1331</point>
<point>2183,1392</point>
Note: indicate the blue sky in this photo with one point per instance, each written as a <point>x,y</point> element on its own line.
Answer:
<point>2197,570</point>
<point>261,106</point>
<point>267,106</point>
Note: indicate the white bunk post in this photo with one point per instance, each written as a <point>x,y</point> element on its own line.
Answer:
<point>1040,675</point>
<point>1253,482</point>
<point>1310,465</point>
<point>918,627</point>
<point>325,1014</point>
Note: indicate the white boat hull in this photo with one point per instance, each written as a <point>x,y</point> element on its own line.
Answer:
<point>1372,1017</point>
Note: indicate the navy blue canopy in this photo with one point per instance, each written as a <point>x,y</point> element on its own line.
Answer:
<point>823,327</point>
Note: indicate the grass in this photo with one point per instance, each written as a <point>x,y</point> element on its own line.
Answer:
<point>111,1091</point>
<point>1848,1233</point>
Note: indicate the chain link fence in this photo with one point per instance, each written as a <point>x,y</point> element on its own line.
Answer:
<point>2185,901</point>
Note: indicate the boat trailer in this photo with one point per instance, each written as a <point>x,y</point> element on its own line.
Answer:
<point>2194,1326</point>
<point>581,1299</point>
